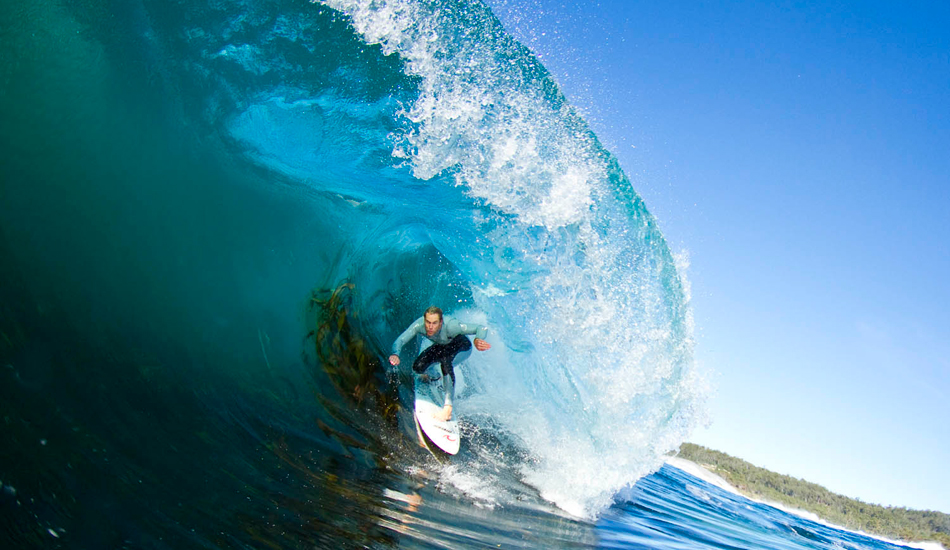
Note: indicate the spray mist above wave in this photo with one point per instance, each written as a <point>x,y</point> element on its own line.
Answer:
<point>601,378</point>
<point>486,110</point>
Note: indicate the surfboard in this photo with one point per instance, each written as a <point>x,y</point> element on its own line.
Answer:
<point>437,436</point>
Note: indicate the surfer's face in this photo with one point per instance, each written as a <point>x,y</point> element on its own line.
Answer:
<point>433,324</point>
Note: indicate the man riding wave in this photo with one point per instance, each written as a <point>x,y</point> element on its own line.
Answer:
<point>448,338</point>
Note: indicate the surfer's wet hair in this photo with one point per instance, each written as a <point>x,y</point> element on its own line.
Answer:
<point>434,310</point>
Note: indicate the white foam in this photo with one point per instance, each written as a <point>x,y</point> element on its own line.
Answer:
<point>481,490</point>
<point>482,118</point>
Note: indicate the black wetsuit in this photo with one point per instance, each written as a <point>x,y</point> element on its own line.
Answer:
<point>443,354</point>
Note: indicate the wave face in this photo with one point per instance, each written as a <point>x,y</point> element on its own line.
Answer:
<point>412,148</point>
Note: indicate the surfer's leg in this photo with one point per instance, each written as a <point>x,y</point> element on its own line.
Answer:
<point>456,346</point>
<point>442,353</point>
<point>432,354</point>
<point>448,385</point>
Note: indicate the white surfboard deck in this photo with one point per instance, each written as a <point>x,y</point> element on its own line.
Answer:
<point>429,397</point>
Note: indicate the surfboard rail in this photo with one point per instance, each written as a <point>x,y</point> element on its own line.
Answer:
<point>444,436</point>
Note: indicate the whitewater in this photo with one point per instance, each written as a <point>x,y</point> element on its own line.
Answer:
<point>215,218</point>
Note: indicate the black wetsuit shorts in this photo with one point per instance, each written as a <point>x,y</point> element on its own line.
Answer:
<point>444,354</point>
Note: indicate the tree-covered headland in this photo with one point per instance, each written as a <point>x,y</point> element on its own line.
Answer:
<point>761,484</point>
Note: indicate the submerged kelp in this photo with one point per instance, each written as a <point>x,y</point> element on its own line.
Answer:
<point>344,354</point>
<point>352,365</point>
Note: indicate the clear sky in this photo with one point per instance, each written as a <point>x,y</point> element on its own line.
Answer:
<point>800,154</point>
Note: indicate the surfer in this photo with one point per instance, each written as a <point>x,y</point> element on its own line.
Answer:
<point>448,340</point>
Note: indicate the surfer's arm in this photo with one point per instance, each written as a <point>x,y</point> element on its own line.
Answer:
<point>408,334</point>
<point>480,331</point>
<point>454,328</point>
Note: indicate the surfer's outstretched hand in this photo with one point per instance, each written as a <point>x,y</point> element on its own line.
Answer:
<point>445,414</point>
<point>394,360</point>
<point>480,345</point>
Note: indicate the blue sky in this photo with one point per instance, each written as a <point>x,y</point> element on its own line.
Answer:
<point>800,154</point>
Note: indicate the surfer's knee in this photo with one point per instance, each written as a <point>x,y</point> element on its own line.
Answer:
<point>463,343</point>
<point>419,366</point>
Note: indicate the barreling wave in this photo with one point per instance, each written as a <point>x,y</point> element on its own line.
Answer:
<point>468,180</point>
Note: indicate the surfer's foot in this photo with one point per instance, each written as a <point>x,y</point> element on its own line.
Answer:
<point>445,414</point>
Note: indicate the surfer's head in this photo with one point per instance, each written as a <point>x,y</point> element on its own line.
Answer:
<point>433,319</point>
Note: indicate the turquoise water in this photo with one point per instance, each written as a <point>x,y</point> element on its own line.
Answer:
<point>216,217</point>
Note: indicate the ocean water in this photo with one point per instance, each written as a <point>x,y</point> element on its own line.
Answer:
<point>216,216</point>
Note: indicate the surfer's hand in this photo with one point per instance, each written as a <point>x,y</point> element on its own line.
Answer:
<point>394,360</point>
<point>445,414</point>
<point>481,345</point>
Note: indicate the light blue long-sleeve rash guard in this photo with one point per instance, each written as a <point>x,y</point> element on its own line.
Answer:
<point>451,328</point>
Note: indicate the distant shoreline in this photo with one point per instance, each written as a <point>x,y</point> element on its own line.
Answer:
<point>708,475</point>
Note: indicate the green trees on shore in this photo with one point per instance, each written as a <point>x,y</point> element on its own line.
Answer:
<point>759,483</point>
